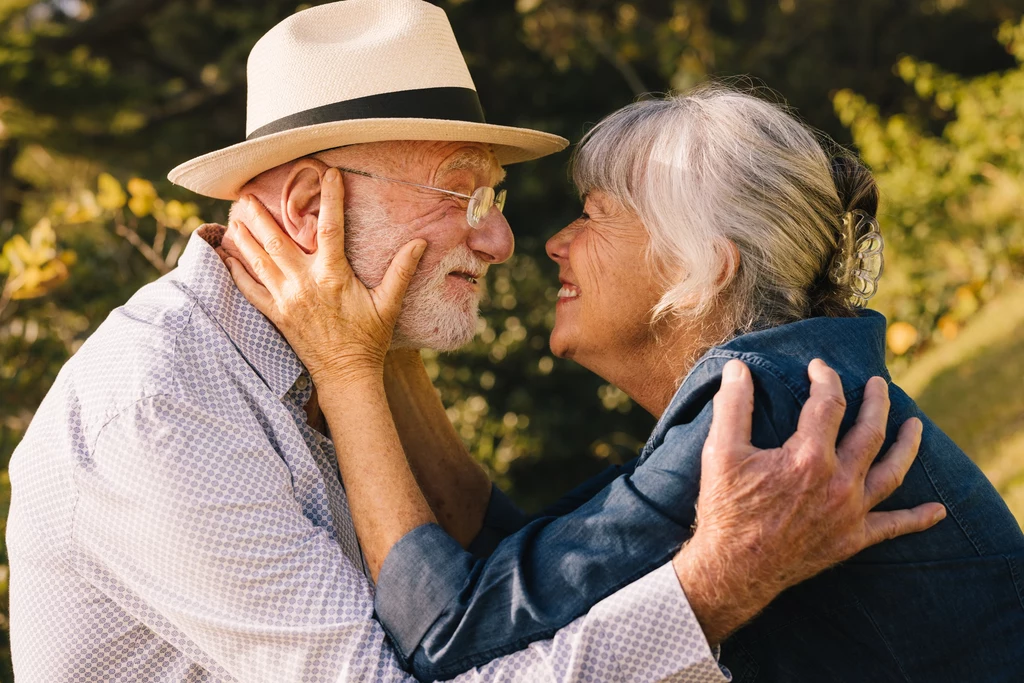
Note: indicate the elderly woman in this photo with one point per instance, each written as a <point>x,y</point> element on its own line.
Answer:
<point>715,227</point>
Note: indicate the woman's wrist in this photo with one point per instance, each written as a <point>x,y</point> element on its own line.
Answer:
<point>343,377</point>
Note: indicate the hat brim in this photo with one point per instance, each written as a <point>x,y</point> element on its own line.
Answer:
<point>221,174</point>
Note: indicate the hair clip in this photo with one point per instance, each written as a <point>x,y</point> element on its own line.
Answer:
<point>860,266</point>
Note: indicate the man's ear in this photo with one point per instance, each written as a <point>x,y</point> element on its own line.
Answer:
<point>300,202</point>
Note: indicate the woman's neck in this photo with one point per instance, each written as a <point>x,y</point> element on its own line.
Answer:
<point>650,374</point>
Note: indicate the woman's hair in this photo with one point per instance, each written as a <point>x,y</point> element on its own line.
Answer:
<point>714,166</point>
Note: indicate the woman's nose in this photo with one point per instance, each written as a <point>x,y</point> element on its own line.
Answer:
<point>557,247</point>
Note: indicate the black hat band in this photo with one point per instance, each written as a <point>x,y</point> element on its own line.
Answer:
<point>455,104</point>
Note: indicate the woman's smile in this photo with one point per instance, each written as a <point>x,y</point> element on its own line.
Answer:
<point>568,292</point>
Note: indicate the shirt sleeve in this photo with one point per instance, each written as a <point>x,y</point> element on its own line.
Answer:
<point>644,632</point>
<point>189,521</point>
<point>447,611</point>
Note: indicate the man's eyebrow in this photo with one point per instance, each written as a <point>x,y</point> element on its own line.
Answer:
<point>473,160</point>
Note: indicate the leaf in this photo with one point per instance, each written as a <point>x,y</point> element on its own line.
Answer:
<point>110,196</point>
<point>33,265</point>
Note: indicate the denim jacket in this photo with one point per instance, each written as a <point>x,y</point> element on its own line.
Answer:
<point>945,605</point>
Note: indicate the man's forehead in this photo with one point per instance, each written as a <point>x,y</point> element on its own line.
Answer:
<point>414,157</point>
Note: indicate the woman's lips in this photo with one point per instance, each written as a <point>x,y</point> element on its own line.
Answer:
<point>568,291</point>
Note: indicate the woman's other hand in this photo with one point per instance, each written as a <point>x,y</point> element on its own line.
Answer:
<point>340,329</point>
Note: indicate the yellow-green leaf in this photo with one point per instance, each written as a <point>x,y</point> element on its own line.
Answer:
<point>110,196</point>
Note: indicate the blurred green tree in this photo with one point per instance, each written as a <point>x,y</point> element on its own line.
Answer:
<point>953,202</point>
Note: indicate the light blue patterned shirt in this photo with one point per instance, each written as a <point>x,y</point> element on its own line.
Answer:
<point>175,518</point>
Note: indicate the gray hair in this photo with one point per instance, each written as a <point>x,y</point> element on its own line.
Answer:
<point>716,166</point>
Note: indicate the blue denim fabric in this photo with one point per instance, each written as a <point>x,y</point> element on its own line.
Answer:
<point>946,605</point>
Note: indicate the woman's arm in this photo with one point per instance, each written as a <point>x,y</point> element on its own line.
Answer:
<point>455,485</point>
<point>341,330</point>
<point>555,568</point>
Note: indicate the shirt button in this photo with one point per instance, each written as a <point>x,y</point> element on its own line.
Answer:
<point>302,382</point>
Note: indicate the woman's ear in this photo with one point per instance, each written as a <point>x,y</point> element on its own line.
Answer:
<point>300,202</point>
<point>730,264</point>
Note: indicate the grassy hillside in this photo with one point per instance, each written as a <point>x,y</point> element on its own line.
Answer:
<point>973,387</point>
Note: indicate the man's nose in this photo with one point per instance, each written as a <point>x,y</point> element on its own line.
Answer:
<point>492,238</point>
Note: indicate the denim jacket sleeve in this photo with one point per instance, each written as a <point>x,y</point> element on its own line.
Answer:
<point>447,611</point>
<point>503,518</point>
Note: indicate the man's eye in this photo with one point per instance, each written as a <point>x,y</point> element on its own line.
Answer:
<point>584,216</point>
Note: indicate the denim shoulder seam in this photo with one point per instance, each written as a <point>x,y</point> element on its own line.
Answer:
<point>954,512</point>
<point>761,362</point>
<point>1018,580</point>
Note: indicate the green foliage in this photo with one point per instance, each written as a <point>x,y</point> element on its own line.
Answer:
<point>953,202</point>
<point>100,98</point>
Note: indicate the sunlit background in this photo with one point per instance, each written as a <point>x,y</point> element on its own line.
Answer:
<point>98,100</point>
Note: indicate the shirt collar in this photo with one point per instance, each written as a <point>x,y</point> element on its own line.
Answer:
<point>201,271</point>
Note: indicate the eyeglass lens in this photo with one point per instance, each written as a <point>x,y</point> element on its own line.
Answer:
<point>480,203</point>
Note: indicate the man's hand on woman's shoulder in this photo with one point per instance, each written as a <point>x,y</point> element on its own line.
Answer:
<point>769,519</point>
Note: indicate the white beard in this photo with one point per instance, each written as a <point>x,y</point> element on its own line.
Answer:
<point>431,317</point>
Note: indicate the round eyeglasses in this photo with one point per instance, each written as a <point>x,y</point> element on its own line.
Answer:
<point>478,206</point>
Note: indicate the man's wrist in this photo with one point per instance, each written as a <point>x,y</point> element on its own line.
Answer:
<point>722,593</point>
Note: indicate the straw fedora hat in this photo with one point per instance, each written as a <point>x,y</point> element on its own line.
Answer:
<point>352,72</point>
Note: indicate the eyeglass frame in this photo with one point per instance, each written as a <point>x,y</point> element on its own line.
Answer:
<point>496,198</point>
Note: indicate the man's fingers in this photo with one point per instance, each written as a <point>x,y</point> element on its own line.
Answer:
<point>256,293</point>
<point>733,408</point>
<point>818,427</point>
<point>389,293</point>
<point>262,225</point>
<point>256,258</point>
<point>862,443</point>
<point>330,226</point>
<point>883,526</point>
<point>886,475</point>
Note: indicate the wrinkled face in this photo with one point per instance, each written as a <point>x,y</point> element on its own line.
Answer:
<point>603,315</point>
<point>442,304</point>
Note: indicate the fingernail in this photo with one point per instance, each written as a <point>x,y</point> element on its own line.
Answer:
<point>733,371</point>
<point>939,515</point>
<point>417,251</point>
<point>332,175</point>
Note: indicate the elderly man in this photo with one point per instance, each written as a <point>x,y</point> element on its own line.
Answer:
<point>177,512</point>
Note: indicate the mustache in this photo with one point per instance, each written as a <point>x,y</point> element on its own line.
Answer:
<point>460,259</point>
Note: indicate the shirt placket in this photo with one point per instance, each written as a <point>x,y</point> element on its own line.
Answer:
<point>324,455</point>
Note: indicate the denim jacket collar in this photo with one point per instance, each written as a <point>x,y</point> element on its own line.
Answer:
<point>854,347</point>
